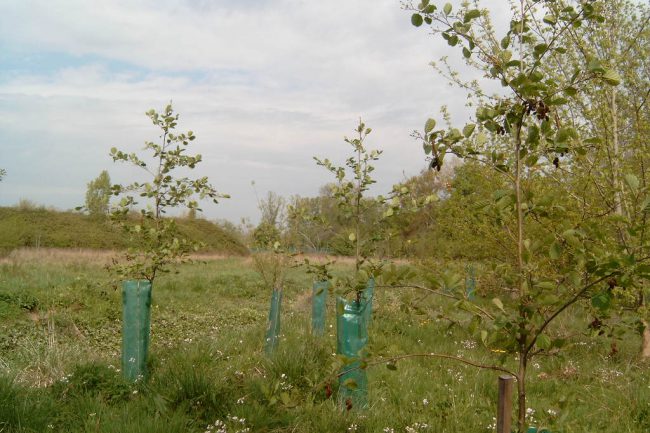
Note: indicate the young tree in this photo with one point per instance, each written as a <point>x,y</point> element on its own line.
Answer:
<point>353,181</point>
<point>98,194</point>
<point>556,257</point>
<point>157,242</point>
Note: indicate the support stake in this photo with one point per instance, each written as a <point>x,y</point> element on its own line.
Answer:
<point>504,407</point>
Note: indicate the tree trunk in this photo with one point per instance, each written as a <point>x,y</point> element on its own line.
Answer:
<point>645,342</point>
<point>521,394</point>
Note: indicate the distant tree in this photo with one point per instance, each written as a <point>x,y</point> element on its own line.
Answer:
<point>98,194</point>
<point>310,222</point>
<point>270,227</point>
<point>3,173</point>
<point>272,208</point>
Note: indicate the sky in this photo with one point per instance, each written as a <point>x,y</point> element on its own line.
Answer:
<point>265,85</point>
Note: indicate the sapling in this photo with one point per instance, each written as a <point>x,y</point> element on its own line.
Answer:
<point>156,241</point>
<point>272,265</point>
<point>352,182</point>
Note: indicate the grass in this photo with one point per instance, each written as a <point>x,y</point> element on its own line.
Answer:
<point>60,343</point>
<point>40,227</point>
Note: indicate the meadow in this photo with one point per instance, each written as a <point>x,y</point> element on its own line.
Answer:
<point>60,326</point>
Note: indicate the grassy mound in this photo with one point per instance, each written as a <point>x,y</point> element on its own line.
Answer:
<point>41,227</point>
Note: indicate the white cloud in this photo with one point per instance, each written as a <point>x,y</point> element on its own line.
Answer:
<point>264,84</point>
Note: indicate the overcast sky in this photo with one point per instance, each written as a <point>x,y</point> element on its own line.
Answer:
<point>264,84</point>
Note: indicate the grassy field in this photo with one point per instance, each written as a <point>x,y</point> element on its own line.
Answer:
<point>60,342</point>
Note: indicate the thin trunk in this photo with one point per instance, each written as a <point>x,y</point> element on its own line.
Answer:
<point>616,169</point>
<point>523,334</point>
<point>645,343</point>
<point>521,394</point>
<point>358,210</point>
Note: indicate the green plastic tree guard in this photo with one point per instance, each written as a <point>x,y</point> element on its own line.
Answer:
<point>470,283</point>
<point>273,330</point>
<point>136,308</point>
<point>352,337</point>
<point>319,307</point>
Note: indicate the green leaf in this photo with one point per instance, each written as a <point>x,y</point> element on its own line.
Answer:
<point>550,19</point>
<point>563,135</point>
<point>447,8</point>
<point>540,49</point>
<point>611,77</point>
<point>543,342</point>
<point>429,125</point>
<point>468,130</point>
<point>595,66</point>
<point>555,250</point>
<point>391,366</point>
<point>570,91</point>
<point>558,101</point>
<point>632,181</point>
<point>602,300</point>
<point>466,53</point>
<point>572,239</point>
<point>645,206</point>
<point>546,285</point>
<point>470,15</point>
<point>498,303</point>
<point>416,20</point>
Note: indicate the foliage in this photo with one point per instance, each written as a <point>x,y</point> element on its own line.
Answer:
<point>98,195</point>
<point>157,239</point>
<point>265,235</point>
<point>616,188</point>
<point>556,256</point>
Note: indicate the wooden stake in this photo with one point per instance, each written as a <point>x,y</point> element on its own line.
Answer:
<point>504,407</point>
